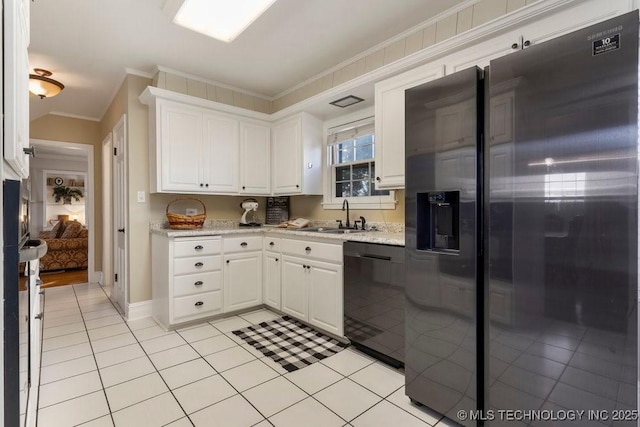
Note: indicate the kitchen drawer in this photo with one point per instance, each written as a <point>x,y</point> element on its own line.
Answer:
<point>195,247</point>
<point>197,283</point>
<point>199,305</point>
<point>242,244</point>
<point>272,244</point>
<point>330,252</point>
<point>194,265</point>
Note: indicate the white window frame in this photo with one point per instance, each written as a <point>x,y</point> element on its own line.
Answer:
<point>330,201</point>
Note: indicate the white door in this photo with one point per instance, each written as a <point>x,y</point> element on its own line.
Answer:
<point>242,281</point>
<point>221,147</point>
<point>255,158</point>
<point>107,212</point>
<point>120,267</point>
<point>271,278</point>
<point>325,297</point>
<point>294,287</point>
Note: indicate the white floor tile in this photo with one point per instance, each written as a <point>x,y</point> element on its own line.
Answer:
<point>229,358</point>
<point>100,314</point>
<point>66,353</point>
<point>213,345</point>
<point>314,378</point>
<point>203,393</point>
<point>188,372</point>
<point>131,392</point>
<point>115,319</point>
<point>402,401</point>
<point>61,321</point>
<point>119,355</point>
<point>230,324</point>
<point>347,362</point>
<point>64,341</point>
<point>384,414</point>
<point>105,421</point>
<point>54,314</point>
<point>70,368</point>
<point>116,374</point>
<point>75,411</point>
<point>95,305</point>
<point>380,379</point>
<point>182,422</point>
<point>199,332</point>
<point>69,388</point>
<point>232,412</point>
<point>162,343</point>
<point>151,332</point>
<point>155,412</point>
<point>347,399</point>
<point>260,316</point>
<point>115,341</point>
<point>173,356</point>
<point>143,323</point>
<point>107,331</point>
<point>274,396</point>
<point>57,331</point>
<point>313,413</point>
<point>249,375</point>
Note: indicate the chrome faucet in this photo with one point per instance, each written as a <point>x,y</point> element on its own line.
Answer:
<point>346,203</point>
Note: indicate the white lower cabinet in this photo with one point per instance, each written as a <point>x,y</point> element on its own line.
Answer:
<point>242,280</point>
<point>271,278</point>
<point>312,287</point>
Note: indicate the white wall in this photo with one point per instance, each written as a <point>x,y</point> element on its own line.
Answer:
<point>37,165</point>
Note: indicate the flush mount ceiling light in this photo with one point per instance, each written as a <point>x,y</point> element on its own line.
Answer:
<point>41,85</point>
<point>221,19</point>
<point>346,101</point>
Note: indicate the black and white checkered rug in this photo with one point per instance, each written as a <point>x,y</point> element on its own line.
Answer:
<point>290,343</point>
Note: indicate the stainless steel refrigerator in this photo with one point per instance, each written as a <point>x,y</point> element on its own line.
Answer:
<point>522,232</point>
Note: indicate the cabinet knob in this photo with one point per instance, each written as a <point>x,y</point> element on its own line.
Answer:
<point>243,244</point>
<point>276,259</point>
<point>515,46</point>
<point>206,185</point>
<point>526,43</point>
<point>227,261</point>
<point>199,248</point>
<point>31,151</point>
<point>308,249</point>
<point>297,186</point>
<point>39,316</point>
<point>244,188</point>
<point>199,283</point>
<point>201,185</point>
<point>378,179</point>
<point>198,264</point>
<point>199,303</point>
<point>304,266</point>
<point>271,243</point>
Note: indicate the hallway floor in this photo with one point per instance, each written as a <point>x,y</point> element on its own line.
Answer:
<point>98,370</point>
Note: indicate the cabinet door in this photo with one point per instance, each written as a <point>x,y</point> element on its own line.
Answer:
<point>294,287</point>
<point>221,148</point>
<point>242,281</point>
<point>326,297</point>
<point>389,112</point>
<point>181,148</point>
<point>255,158</point>
<point>271,279</point>
<point>287,170</point>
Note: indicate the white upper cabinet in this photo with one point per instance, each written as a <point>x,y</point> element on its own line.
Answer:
<point>297,155</point>
<point>389,113</point>
<point>221,154</point>
<point>255,158</point>
<point>16,87</point>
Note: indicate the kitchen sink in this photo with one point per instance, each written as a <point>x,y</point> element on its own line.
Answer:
<point>328,230</point>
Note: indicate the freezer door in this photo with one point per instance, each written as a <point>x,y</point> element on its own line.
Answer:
<point>441,137</point>
<point>562,222</point>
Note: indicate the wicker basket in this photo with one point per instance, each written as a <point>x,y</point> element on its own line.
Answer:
<point>186,222</point>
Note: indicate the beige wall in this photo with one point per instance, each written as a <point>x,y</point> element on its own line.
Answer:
<point>67,129</point>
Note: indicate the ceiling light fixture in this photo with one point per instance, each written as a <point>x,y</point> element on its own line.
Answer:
<point>41,85</point>
<point>221,19</point>
<point>346,101</point>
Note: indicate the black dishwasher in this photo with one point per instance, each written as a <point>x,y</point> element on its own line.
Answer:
<point>374,278</point>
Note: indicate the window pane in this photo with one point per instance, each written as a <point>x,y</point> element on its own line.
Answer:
<point>343,173</point>
<point>343,189</point>
<point>364,152</point>
<point>360,188</point>
<point>375,192</point>
<point>364,140</point>
<point>346,144</point>
<point>361,171</point>
<point>345,155</point>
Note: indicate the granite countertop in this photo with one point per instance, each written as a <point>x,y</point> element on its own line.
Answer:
<point>393,235</point>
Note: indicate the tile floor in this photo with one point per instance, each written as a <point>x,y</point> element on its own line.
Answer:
<point>98,370</point>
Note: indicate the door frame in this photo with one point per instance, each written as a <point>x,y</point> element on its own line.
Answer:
<point>107,214</point>
<point>123,298</point>
<point>94,276</point>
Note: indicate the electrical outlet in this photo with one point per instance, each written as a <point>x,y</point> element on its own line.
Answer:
<point>141,197</point>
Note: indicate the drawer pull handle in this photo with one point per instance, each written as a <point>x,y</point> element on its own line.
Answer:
<point>199,264</point>
<point>308,249</point>
<point>199,248</point>
<point>271,244</point>
<point>199,283</point>
<point>199,303</point>
<point>243,244</point>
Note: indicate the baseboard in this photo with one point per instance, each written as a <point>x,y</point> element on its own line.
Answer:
<point>139,310</point>
<point>95,277</point>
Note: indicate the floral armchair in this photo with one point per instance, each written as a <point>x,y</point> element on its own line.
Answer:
<point>67,247</point>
